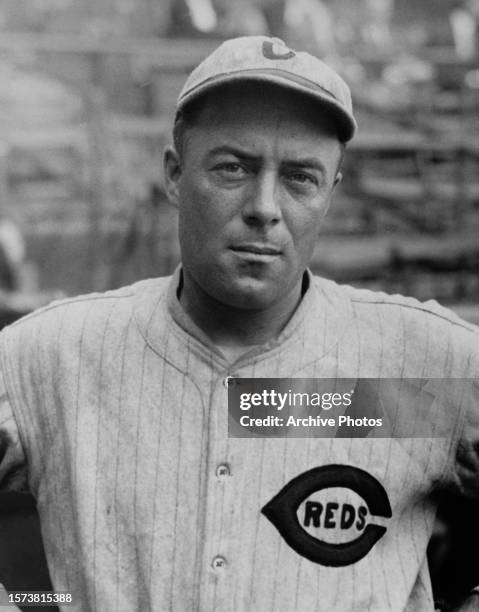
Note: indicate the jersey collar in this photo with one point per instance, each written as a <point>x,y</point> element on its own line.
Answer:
<point>319,322</point>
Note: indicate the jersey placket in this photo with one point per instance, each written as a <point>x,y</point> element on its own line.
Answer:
<point>218,569</point>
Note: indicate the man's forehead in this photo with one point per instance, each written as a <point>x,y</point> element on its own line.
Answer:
<point>268,144</point>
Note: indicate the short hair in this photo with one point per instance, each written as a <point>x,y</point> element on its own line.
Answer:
<point>186,119</point>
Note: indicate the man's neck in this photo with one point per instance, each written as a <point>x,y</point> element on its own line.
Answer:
<point>236,330</point>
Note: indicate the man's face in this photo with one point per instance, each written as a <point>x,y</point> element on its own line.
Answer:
<point>252,185</point>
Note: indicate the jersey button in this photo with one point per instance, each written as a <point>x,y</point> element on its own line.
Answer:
<point>218,562</point>
<point>223,471</point>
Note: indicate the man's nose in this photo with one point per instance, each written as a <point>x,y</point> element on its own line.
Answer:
<point>262,206</point>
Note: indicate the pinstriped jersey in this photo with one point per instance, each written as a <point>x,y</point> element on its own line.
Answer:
<point>114,415</point>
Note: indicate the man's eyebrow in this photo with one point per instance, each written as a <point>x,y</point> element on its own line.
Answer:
<point>233,150</point>
<point>305,162</point>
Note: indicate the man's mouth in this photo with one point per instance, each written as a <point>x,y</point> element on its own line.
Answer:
<point>256,248</point>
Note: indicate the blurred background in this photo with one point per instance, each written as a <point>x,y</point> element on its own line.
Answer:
<point>87,95</point>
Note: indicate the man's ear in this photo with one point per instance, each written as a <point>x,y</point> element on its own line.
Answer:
<point>172,170</point>
<point>337,179</point>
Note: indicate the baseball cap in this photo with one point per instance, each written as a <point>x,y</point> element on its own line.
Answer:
<point>269,60</point>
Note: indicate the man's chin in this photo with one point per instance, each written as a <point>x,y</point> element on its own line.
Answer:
<point>250,294</point>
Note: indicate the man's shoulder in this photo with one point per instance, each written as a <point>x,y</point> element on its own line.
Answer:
<point>405,335</point>
<point>381,315</point>
<point>368,305</point>
<point>72,320</point>
<point>411,310</point>
<point>75,334</point>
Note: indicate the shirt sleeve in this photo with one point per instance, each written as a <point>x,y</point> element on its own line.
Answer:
<point>13,472</point>
<point>467,453</point>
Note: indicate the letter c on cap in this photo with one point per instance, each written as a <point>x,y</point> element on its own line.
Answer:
<point>272,50</point>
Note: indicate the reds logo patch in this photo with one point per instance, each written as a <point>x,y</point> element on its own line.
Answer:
<point>331,515</point>
<point>275,49</point>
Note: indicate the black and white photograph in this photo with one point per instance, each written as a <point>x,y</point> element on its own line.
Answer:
<point>239,305</point>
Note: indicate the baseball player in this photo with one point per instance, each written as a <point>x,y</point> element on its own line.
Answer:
<point>114,406</point>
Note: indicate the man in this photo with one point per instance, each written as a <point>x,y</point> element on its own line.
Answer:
<point>114,406</point>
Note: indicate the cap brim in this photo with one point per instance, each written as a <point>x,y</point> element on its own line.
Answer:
<point>345,122</point>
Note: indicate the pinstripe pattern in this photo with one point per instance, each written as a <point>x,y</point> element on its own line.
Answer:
<point>119,402</point>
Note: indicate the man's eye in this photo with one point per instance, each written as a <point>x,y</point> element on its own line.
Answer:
<point>302,179</point>
<point>230,168</point>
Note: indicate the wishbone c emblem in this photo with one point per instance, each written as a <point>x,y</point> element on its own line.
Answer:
<point>275,49</point>
<point>332,515</point>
